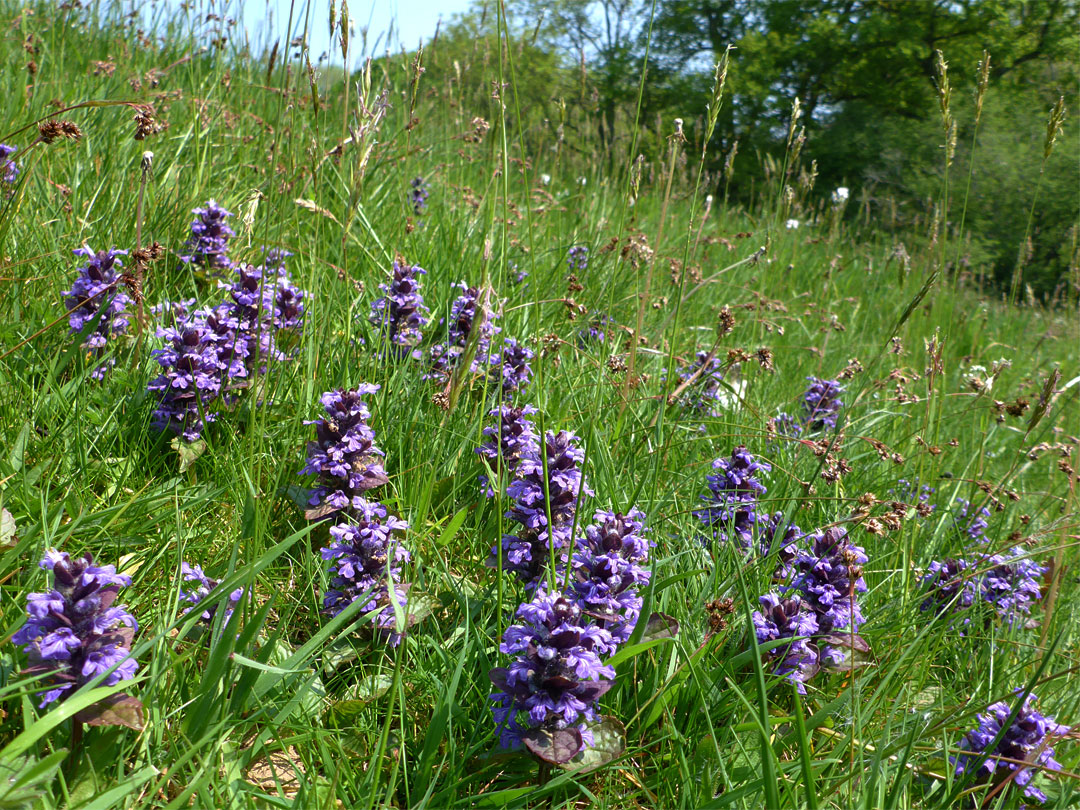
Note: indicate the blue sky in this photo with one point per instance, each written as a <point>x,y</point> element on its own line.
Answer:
<point>411,20</point>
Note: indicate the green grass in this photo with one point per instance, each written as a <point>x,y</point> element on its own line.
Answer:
<point>288,708</point>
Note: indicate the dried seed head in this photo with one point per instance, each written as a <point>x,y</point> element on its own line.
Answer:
<point>146,124</point>
<point>53,130</point>
<point>726,322</point>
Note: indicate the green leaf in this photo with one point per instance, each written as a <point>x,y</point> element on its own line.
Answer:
<point>451,528</point>
<point>23,779</point>
<point>7,528</point>
<point>609,743</point>
<point>189,452</point>
<point>660,627</point>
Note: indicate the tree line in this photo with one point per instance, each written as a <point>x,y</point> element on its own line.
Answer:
<point>602,78</point>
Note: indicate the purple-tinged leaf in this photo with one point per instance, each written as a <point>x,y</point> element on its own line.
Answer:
<point>557,747</point>
<point>115,710</point>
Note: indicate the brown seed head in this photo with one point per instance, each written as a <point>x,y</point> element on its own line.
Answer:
<point>53,130</point>
<point>726,321</point>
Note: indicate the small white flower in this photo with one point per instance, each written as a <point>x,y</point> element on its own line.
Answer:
<point>841,195</point>
<point>545,179</point>
<point>581,181</point>
<point>792,224</point>
<point>708,199</point>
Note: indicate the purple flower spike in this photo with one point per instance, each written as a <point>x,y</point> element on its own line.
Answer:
<point>75,632</point>
<point>9,169</point>
<point>515,371</point>
<point>951,586</point>
<point>972,521</point>
<point>208,244</point>
<point>204,589</point>
<point>607,572</point>
<point>97,293</point>
<point>731,505</point>
<point>829,577</point>
<point>788,618</point>
<point>418,194</point>
<point>344,455</point>
<point>213,353</point>
<point>400,312</point>
<point>577,258</point>
<point>514,439</point>
<point>783,543</point>
<point>705,396</point>
<point>1012,583</point>
<point>1026,740</point>
<point>192,378</point>
<point>366,561</point>
<point>463,312</point>
<point>528,552</point>
<point>821,403</point>
<point>554,684</point>
<point>261,302</point>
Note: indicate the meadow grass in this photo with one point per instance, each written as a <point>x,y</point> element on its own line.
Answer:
<point>288,707</point>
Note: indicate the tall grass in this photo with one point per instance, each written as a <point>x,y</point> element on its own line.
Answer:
<point>285,707</point>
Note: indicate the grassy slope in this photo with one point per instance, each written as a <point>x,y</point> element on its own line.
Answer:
<point>82,469</point>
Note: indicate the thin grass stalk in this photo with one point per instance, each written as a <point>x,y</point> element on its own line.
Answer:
<point>1053,130</point>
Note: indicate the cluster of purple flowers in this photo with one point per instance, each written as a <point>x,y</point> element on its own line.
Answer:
<point>731,505</point>
<point>1023,748</point>
<point>364,553</point>
<point>1010,582</point>
<point>514,370</point>
<point>554,684</point>
<point>706,395</point>
<point>780,537</point>
<point>418,194</point>
<point>509,442</point>
<point>208,244</point>
<point>606,571</point>
<point>828,577</point>
<point>792,619</point>
<point>786,425</point>
<point>344,455</point>
<point>195,368</point>
<point>9,169</point>
<point>535,498</point>
<point>365,562</point>
<point>594,329</point>
<point>577,258</point>
<point>548,695</point>
<point>205,587</point>
<point>821,403</point>
<point>466,308</point>
<point>400,312</point>
<point>972,521</point>
<point>950,586</point>
<point>96,296</point>
<point>75,631</point>
<point>213,353</point>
